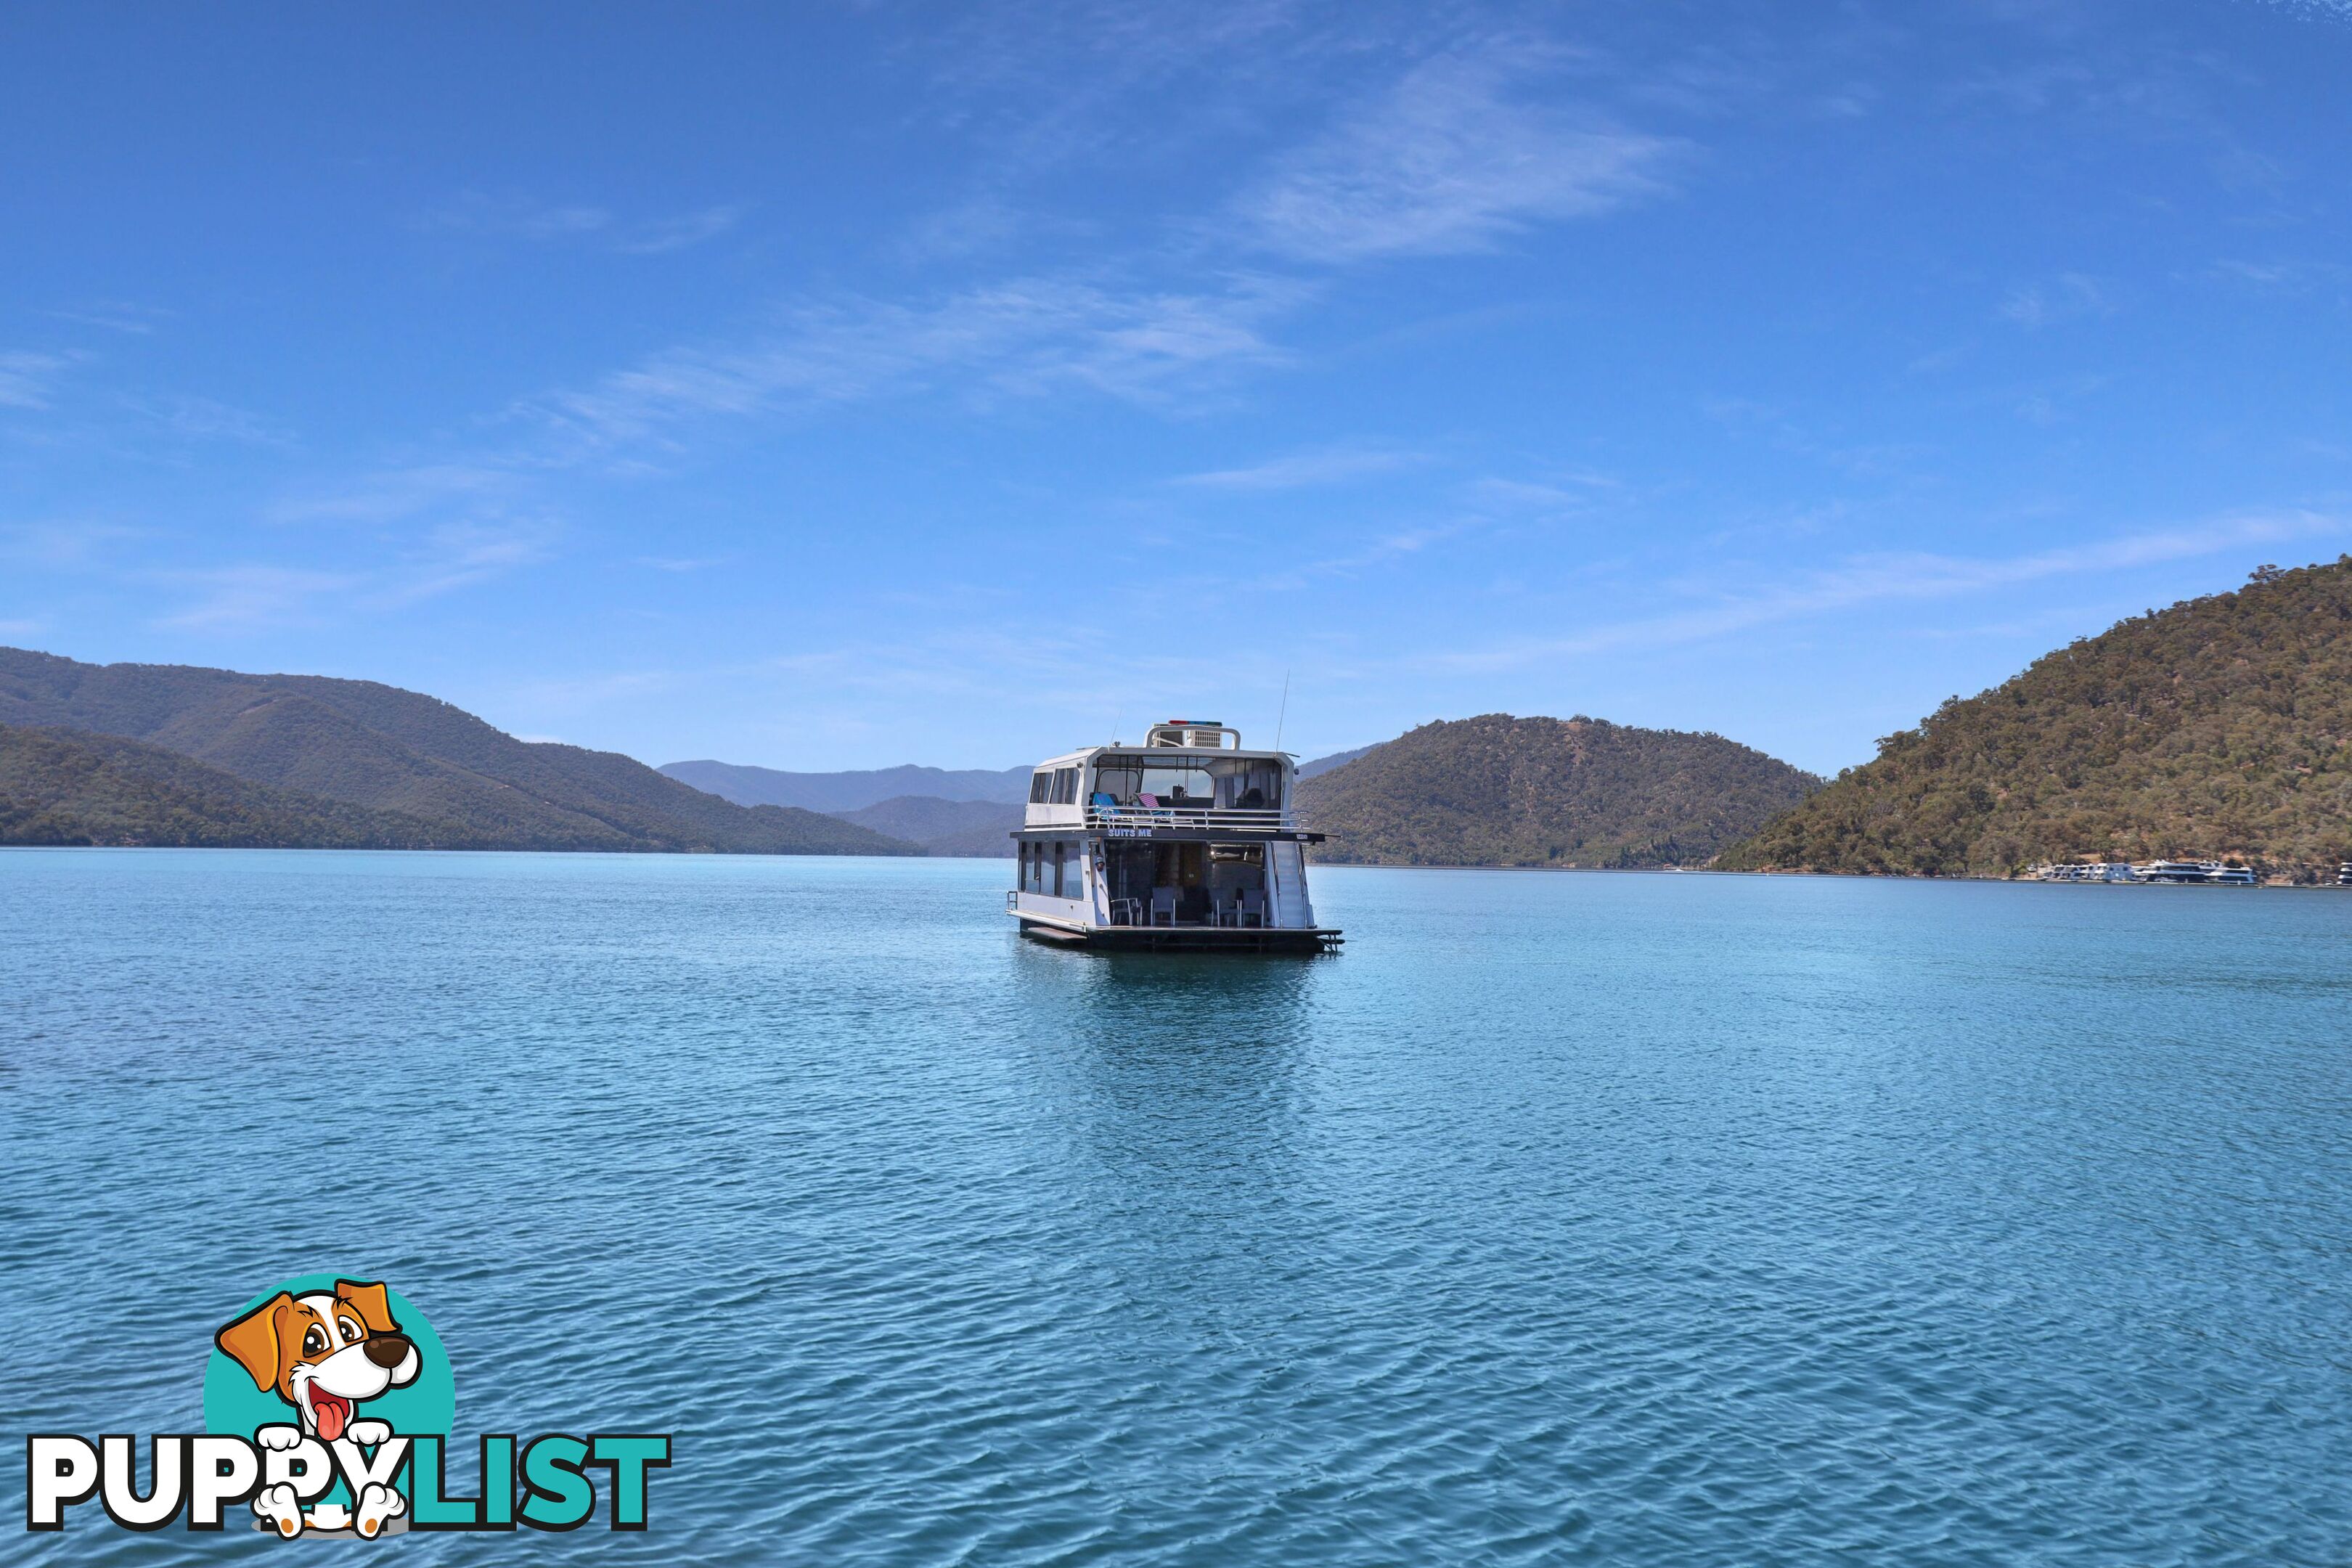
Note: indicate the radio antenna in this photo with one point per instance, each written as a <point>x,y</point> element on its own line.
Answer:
<point>1115,718</point>
<point>1285,714</point>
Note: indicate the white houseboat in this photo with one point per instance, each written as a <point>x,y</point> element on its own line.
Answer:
<point>1184,842</point>
<point>2206,872</point>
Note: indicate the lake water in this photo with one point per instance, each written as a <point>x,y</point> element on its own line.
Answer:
<point>1561,1218</point>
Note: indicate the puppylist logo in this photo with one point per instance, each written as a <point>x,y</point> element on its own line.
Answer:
<point>328,1403</point>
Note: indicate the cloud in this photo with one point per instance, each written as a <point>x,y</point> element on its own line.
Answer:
<point>2073,294</point>
<point>1457,157</point>
<point>204,419</point>
<point>391,495</point>
<point>26,378</point>
<point>114,316</point>
<point>458,555</point>
<point>666,235</point>
<point>2292,276</point>
<point>1302,470</point>
<point>451,556</point>
<point>239,598</point>
<point>61,545</point>
<point>516,218</point>
<point>1026,337</point>
<point>1879,578</point>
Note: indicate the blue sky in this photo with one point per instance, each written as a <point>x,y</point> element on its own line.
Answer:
<point>837,387</point>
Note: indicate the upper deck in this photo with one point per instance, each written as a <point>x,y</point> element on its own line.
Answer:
<point>1186,777</point>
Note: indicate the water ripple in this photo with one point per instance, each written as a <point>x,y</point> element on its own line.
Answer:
<point>1562,1219</point>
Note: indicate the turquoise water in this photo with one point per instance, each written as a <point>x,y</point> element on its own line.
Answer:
<point>1562,1218</point>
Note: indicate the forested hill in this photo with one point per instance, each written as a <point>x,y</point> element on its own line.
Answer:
<point>439,772</point>
<point>1501,791</point>
<point>73,786</point>
<point>2217,728</point>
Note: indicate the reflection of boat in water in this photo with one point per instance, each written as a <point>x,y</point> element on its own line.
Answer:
<point>1184,842</point>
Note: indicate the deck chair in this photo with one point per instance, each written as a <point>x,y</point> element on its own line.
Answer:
<point>1249,906</point>
<point>1163,901</point>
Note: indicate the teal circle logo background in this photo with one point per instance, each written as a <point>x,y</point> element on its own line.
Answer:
<point>424,1408</point>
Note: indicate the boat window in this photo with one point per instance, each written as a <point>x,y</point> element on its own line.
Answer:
<point>1065,786</point>
<point>1246,782</point>
<point>1040,783</point>
<point>1180,781</point>
<point>1253,783</point>
<point>1069,869</point>
<point>1120,777</point>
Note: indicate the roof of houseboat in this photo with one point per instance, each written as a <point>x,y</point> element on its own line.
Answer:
<point>1188,736</point>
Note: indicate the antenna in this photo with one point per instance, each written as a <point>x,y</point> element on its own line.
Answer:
<point>1116,716</point>
<point>1285,714</point>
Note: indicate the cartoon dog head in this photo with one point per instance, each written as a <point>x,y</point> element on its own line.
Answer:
<point>322,1354</point>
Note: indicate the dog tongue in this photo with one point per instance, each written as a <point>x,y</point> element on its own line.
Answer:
<point>332,1411</point>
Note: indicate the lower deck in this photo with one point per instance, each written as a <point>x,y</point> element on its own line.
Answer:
<point>1167,891</point>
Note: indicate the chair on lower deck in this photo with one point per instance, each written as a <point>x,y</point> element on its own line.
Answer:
<point>1163,902</point>
<point>1249,907</point>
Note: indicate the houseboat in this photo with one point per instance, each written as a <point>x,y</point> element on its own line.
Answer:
<point>2210,873</point>
<point>1186,842</point>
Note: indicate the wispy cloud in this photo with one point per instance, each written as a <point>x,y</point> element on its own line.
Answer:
<point>27,378</point>
<point>113,316</point>
<point>253,596</point>
<point>2285,277</point>
<point>65,545</point>
<point>206,419</point>
<point>1868,579</point>
<point>1302,470</point>
<point>517,217</point>
<point>1461,154</point>
<point>391,495</point>
<point>2070,295</point>
<point>460,554</point>
<point>680,232</point>
<point>1025,336</point>
<point>248,597</point>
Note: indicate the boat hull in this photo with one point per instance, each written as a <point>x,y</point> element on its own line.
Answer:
<point>1182,939</point>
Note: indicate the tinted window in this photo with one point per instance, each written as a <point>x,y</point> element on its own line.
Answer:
<point>1039,782</point>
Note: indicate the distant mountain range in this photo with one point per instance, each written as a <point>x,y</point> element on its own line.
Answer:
<point>2218,728</point>
<point>972,829</point>
<point>301,760</point>
<point>1503,791</point>
<point>847,792</point>
<point>1322,765</point>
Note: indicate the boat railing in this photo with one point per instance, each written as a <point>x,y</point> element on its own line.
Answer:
<point>1242,820</point>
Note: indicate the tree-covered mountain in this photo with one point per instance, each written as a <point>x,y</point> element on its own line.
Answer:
<point>1321,765</point>
<point>386,750</point>
<point>1501,791</point>
<point>2220,727</point>
<point>73,786</point>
